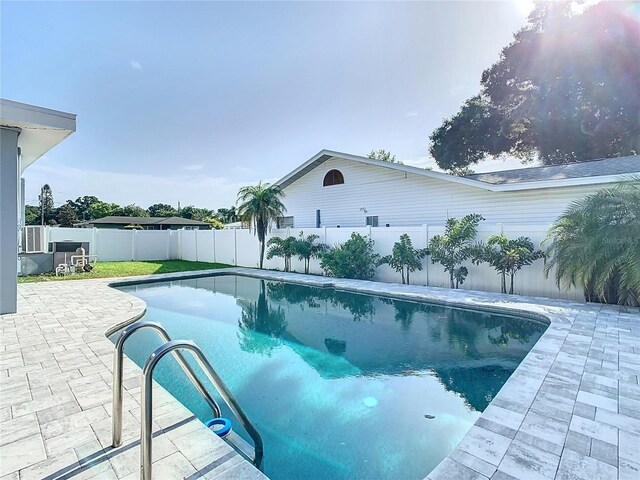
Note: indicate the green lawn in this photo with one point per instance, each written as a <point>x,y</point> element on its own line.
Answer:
<point>126,269</point>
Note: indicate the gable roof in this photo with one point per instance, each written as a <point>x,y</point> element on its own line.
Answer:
<point>117,219</point>
<point>600,171</point>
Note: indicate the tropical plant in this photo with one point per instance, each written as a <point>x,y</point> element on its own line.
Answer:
<point>353,259</point>
<point>455,246</point>
<point>507,256</point>
<point>404,258</point>
<point>306,248</point>
<point>260,206</point>
<point>595,244</point>
<point>282,247</point>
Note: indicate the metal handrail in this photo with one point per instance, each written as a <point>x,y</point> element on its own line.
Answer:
<point>146,402</point>
<point>116,417</point>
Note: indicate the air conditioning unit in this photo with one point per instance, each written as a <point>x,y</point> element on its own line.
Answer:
<point>33,239</point>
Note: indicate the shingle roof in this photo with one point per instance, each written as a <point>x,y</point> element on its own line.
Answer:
<point>592,168</point>
<point>115,219</point>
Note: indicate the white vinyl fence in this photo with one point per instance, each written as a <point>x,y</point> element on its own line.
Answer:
<point>240,247</point>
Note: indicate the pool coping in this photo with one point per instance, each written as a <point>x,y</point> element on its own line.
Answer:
<point>570,410</point>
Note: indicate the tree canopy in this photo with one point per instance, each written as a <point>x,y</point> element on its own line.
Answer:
<point>260,206</point>
<point>565,90</point>
<point>383,156</point>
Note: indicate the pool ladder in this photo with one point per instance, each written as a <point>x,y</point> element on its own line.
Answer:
<point>146,397</point>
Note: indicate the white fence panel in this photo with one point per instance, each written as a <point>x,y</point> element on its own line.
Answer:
<point>205,245</point>
<point>188,247</point>
<point>241,247</point>
<point>174,248</point>
<point>225,249</point>
<point>114,245</point>
<point>151,244</point>
<point>247,248</point>
<point>61,234</point>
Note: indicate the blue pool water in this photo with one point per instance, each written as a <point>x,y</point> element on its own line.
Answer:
<point>340,385</point>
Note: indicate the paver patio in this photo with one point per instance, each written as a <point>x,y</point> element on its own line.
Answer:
<point>570,411</point>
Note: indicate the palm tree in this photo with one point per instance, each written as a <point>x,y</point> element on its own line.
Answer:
<point>595,244</point>
<point>260,206</point>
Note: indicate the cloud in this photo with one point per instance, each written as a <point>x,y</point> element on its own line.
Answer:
<point>136,65</point>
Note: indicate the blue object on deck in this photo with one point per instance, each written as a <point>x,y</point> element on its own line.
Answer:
<point>219,426</point>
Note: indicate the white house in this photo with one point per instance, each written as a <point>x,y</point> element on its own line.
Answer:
<point>27,133</point>
<point>337,189</point>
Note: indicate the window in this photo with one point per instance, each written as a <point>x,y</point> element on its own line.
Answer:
<point>333,177</point>
<point>372,221</point>
<point>285,222</point>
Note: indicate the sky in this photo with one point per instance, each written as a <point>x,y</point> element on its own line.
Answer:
<point>189,101</point>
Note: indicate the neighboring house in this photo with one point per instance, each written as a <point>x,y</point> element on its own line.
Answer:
<point>27,133</point>
<point>337,189</point>
<point>148,223</point>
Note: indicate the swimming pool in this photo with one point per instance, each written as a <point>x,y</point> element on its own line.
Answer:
<point>339,384</point>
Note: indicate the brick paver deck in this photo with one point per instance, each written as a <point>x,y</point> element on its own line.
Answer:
<point>570,411</point>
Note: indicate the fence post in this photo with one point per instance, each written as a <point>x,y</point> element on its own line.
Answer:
<point>214,246</point>
<point>168,235</point>
<point>426,245</point>
<point>133,245</point>
<point>180,244</point>
<point>195,237</point>
<point>93,248</point>
<point>235,247</point>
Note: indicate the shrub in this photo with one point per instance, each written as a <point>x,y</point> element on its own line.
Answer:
<point>595,244</point>
<point>352,259</point>
<point>133,227</point>
<point>285,248</point>
<point>455,246</point>
<point>507,256</point>
<point>404,257</point>
<point>306,248</point>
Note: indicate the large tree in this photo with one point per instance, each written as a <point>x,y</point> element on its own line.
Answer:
<point>195,213</point>
<point>134,211</point>
<point>67,215</point>
<point>45,202</point>
<point>383,156</point>
<point>162,210</point>
<point>565,90</point>
<point>260,206</point>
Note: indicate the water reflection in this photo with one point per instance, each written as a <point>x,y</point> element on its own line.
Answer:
<point>472,353</point>
<point>260,325</point>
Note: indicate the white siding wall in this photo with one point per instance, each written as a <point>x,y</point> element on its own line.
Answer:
<point>400,199</point>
